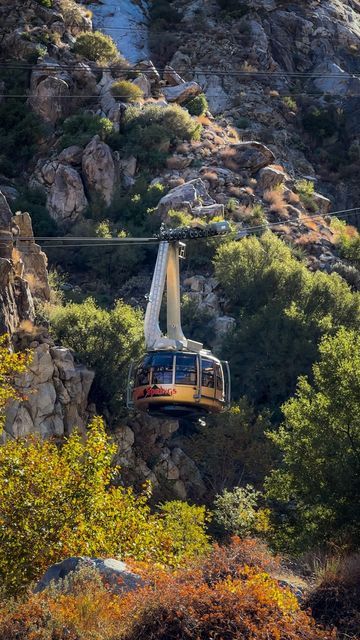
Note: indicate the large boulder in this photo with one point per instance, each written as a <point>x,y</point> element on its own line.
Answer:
<point>99,170</point>
<point>333,80</point>
<point>250,155</point>
<point>56,393</point>
<point>270,178</point>
<point>71,155</point>
<point>66,199</point>
<point>116,574</point>
<point>50,99</point>
<point>182,92</point>
<point>186,196</point>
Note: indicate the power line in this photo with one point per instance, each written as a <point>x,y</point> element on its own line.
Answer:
<point>278,94</point>
<point>213,72</point>
<point>79,241</point>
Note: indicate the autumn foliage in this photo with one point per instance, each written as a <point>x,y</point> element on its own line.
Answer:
<point>230,596</point>
<point>11,365</point>
<point>57,502</point>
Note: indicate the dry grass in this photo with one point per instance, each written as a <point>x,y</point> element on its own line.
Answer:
<point>183,148</point>
<point>336,598</point>
<point>293,198</point>
<point>275,198</point>
<point>211,177</point>
<point>204,120</point>
<point>235,192</point>
<point>31,280</point>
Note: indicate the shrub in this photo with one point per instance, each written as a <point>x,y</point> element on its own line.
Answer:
<point>79,129</point>
<point>177,121</point>
<point>126,91</point>
<point>45,3</point>
<point>236,511</point>
<point>58,501</point>
<point>335,601</point>
<point>162,11</point>
<point>320,419</point>
<point>290,103</point>
<point>105,340</point>
<point>305,189</point>
<point>276,298</point>
<point>232,446</point>
<point>96,46</point>
<point>198,105</point>
<point>73,13</point>
<point>240,603</point>
<point>20,132</point>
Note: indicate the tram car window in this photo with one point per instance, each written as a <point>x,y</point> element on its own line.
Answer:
<point>162,368</point>
<point>207,373</point>
<point>185,369</point>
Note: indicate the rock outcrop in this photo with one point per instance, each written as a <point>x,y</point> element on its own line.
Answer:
<point>55,388</point>
<point>147,451</point>
<point>56,395</point>
<point>116,574</point>
<point>99,170</point>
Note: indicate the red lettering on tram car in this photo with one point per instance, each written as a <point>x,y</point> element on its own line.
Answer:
<point>150,392</point>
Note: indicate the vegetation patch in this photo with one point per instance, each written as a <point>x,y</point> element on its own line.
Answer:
<point>81,128</point>
<point>96,46</point>
<point>126,91</point>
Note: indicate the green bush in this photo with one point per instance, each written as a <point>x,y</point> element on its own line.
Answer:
<point>148,132</point>
<point>323,123</point>
<point>236,511</point>
<point>175,120</point>
<point>45,3</point>
<point>34,201</point>
<point>79,129</point>
<point>198,105</point>
<point>96,46</point>
<point>305,189</point>
<point>104,340</point>
<point>126,91</point>
<point>283,310</point>
<point>162,11</point>
<point>20,131</point>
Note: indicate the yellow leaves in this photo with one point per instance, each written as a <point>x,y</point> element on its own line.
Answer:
<point>11,365</point>
<point>57,502</point>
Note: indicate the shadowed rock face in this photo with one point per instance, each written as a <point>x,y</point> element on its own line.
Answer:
<point>55,387</point>
<point>99,170</point>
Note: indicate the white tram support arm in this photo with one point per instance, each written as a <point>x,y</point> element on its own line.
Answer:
<point>166,268</point>
<point>173,302</point>
<point>153,333</point>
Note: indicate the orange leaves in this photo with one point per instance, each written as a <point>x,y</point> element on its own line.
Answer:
<point>233,601</point>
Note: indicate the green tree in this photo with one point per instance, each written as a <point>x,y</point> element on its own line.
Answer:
<point>106,341</point>
<point>283,310</point>
<point>320,444</point>
<point>231,448</point>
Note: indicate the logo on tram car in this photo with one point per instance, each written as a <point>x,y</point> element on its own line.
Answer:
<point>150,392</point>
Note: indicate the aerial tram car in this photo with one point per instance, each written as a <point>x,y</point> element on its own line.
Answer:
<point>177,377</point>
